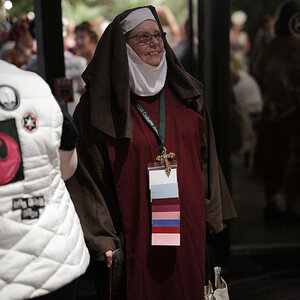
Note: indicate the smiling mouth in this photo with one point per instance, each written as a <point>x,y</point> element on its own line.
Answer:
<point>153,53</point>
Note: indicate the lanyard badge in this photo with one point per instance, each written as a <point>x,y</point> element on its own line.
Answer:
<point>163,185</point>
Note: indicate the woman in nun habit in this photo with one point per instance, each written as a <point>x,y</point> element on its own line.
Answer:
<point>157,219</point>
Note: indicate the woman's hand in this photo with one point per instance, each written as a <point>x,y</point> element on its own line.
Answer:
<point>108,258</point>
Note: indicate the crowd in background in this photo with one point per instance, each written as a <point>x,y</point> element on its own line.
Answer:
<point>18,44</point>
<point>256,118</point>
<point>267,88</point>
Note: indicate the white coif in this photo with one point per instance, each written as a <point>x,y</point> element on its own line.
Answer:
<point>145,80</point>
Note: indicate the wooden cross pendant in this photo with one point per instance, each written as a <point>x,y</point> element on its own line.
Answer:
<point>164,157</point>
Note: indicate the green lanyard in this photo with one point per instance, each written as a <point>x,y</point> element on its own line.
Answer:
<point>161,133</point>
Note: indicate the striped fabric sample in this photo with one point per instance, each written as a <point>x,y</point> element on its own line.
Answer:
<point>165,214</point>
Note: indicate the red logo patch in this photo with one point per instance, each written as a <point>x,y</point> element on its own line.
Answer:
<point>10,158</point>
<point>30,122</point>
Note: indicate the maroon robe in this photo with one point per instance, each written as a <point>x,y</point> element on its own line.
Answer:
<point>105,118</point>
<point>161,272</point>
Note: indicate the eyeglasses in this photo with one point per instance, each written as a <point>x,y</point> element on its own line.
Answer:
<point>146,38</point>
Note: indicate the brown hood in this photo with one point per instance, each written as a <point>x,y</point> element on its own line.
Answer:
<point>107,82</point>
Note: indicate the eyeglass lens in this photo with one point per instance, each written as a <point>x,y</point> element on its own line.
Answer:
<point>146,38</point>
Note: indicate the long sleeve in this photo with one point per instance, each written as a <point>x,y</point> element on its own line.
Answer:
<point>219,206</point>
<point>92,188</point>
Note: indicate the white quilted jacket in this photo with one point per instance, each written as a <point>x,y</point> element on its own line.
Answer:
<point>41,242</point>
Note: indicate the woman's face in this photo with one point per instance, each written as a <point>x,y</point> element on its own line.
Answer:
<point>84,43</point>
<point>150,53</point>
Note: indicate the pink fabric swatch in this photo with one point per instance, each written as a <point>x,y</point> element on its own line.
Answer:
<point>172,215</point>
<point>165,239</point>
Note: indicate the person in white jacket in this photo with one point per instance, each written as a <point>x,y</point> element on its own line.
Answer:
<point>42,248</point>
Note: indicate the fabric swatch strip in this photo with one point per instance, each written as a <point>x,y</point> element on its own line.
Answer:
<point>165,214</point>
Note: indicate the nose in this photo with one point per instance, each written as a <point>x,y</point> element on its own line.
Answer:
<point>154,40</point>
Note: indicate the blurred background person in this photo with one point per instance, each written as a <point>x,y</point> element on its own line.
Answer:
<point>69,34</point>
<point>169,24</point>
<point>182,49</point>
<point>86,40</point>
<point>246,110</point>
<point>264,34</point>
<point>247,92</point>
<point>5,42</point>
<point>278,72</point>
<point>21,54</point>
<point>100,23</point>
<point>239,39</point>
<point>74,67</point>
